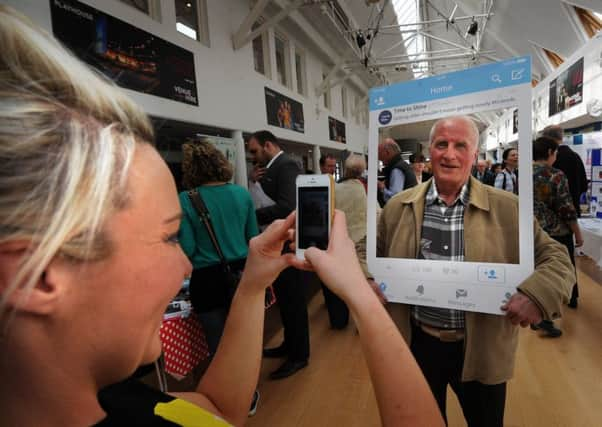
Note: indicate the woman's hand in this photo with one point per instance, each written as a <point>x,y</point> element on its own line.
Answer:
<point>338,266</point>
<point>265,260</point>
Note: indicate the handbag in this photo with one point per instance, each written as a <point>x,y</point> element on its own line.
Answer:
<point>230,278</point>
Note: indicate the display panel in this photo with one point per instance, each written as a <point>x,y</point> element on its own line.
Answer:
<point>336,130</point>
<point>313,217</point>
<point>129,56</point>
<point>414,106</point>
<point>283,111</point>
<point>566,90</point>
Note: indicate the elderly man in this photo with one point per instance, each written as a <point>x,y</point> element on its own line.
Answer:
<point>398,174</point>
<point>483,174</point>
<point>446,218</point>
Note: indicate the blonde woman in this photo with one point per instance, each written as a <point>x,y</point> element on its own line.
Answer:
<point>89,259</point>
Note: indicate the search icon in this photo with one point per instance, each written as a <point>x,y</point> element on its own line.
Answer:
<point>496,78</point>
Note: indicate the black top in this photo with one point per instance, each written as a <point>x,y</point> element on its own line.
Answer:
<point>398,163</point>
<point>280,186</point>
<point>131,403</point>
<point>571,164</point>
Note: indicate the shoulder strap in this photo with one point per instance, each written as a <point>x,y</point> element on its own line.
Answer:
<point>201,209</point>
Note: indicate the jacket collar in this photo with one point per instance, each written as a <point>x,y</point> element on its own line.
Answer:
<point>478,194</point>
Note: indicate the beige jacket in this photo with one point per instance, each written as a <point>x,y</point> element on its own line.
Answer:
<point>491,340</point>
<point>350,197</point>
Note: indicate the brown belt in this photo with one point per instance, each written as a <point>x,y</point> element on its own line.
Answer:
<point>445,335</point>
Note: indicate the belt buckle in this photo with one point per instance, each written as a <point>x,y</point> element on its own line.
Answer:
<point>448,335</point>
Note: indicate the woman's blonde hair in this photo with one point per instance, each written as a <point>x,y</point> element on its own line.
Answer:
<point>203,162</point>
<point>67,138</point>
<point>355,165</point>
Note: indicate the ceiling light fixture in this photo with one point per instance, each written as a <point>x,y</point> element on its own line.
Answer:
<point>472,29</point>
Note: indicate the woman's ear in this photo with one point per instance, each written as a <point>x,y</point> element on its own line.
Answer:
<point>43,297</point>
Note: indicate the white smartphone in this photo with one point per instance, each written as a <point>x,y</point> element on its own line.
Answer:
<point>315,210</point>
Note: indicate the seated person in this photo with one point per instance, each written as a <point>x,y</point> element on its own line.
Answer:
<point>89,259</point>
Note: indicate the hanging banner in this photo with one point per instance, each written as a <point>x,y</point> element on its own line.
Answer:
<point>131,57</point>
<point>409,110</point>
<point>283,111</point>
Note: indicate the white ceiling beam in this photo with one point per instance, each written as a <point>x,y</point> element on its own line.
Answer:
<point>241,38</point>
<point>594,5</point>
<point>248,22</point>
<point>324,84</point>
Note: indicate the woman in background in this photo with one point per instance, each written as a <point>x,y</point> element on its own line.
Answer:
<point>507,179</point>
<point>553,207</point>
<point>232,215</point>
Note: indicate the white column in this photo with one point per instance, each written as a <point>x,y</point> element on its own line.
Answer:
<point>317,154</point>
<point>240,168</point>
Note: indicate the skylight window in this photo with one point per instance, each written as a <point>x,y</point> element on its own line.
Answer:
<point>408,13</point>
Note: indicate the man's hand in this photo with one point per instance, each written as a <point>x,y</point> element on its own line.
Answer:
<point>379,293</point>
<point>521,310</point>
<point>578,240</point>
<point>257,173</point>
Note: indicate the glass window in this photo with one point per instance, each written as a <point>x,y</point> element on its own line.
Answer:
<point>300,72</point>
<point>326,95</point>
<point>141,5</point>
<point>258,52</point>
<point>344,100</point>
<point>280,45</point>
<point>191,19</point>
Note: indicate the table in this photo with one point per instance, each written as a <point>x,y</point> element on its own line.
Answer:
<point>591,229</point>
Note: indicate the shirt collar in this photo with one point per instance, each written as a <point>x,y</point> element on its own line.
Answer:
<point>432,195</point>
<point>273,159</point>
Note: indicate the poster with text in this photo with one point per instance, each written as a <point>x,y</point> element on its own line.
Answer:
<point>131,57</point>
<point>446,269</point>
<point>283,111</point>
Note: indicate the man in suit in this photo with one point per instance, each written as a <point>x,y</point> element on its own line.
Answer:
<point>277,175</point>
<point>571,164</point>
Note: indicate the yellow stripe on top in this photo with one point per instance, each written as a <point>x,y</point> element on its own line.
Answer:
<point>186,414</point>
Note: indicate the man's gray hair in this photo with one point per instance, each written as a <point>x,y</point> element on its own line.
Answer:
<point>391,146</point>
<point>468,119</point>
<point>553,131</point>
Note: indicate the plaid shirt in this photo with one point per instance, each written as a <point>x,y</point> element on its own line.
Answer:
<point>442,238</point>
<point>552,203</point>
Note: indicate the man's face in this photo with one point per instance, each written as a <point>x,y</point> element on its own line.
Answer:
<point>481,165</point>
<point>258,153</point>
<point>329,166</point>
<point>512,159</point>
<point>418,167</point>
<point>453,152</point>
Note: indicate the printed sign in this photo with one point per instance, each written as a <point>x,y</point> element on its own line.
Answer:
<point>131,57</point>
<point>283,111</point>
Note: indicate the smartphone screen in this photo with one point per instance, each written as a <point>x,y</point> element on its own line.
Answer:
<point>313,217</point>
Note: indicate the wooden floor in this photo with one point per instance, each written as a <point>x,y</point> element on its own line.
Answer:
<point>557,382</point>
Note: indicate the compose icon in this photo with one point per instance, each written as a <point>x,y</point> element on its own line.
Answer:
<point>461,293</point>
